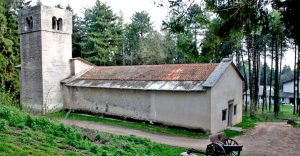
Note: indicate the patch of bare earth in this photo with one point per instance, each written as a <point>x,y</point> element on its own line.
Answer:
<point>266,139</point>
<point>271,139</point>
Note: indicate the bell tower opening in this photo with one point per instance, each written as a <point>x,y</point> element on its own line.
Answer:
<point>54,21</point>
<point>59,24</point>
<point>29,23</point>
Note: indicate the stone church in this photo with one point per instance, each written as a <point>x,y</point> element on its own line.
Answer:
<point>207,97</point>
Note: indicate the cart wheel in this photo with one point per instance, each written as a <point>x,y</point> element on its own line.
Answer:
<point>231,142</point>
<point>215,150</point>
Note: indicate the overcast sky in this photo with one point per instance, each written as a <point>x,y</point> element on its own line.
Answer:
<point>125,7</point>
<point>129,7</point>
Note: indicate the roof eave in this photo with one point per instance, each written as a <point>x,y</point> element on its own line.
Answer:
<point>219,71</point>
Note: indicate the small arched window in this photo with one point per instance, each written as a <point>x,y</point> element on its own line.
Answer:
<point>29,23</point>
<point>54,21</point>
<point>59,24</point>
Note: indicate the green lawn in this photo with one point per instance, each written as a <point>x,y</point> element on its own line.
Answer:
<point>129,124</point>
<point>23,134</point>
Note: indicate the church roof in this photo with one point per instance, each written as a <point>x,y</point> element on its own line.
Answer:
<point>169,77</point>
<point>169,72</point>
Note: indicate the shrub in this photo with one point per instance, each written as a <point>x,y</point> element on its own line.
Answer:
<point>2,124</point>
<point>7,98</point>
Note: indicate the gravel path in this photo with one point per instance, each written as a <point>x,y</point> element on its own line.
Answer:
<point>159,138</point>
<point>266,139</point>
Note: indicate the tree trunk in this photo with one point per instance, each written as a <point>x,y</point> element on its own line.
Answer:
<point>276,83</point>
<point>298,71</point>
<point>257,73</point>
<point>249,72</point>
<point>246,81</point>
<point>253,77</point>
<point>295,73</point>
<point>280,69</point>
<point>271,75</point>
<point>264,81</point>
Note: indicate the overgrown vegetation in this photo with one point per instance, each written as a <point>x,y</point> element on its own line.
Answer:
<point>232,133</point>
<point>23,134</point>
<point>130,124</point>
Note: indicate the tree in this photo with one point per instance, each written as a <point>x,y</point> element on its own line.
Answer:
<point>136,31</point>
<point>286,73</point>
<point>289,10</point>
<point>101,39</point>
<point>249,17</point>
<point>169,45</point>
<point>9,45</point>
<point>151,49</point>
<point>276,28</point>
<point>186,23</point>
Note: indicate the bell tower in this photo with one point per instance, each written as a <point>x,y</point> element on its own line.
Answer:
<point>46,48</point>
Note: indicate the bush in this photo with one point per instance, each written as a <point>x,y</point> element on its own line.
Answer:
<point>7,98</point>
<point>2,124</point>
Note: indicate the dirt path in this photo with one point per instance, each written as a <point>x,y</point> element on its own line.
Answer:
<point>266,139</point>
<point>271,139</point>
<point>159,138</point>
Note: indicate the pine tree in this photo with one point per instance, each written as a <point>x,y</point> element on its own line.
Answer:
<point>9,49</point>
<point>101,35</point>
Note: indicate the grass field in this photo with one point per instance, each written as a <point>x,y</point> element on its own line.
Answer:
<point>23,134</point>
<point>129,124</point>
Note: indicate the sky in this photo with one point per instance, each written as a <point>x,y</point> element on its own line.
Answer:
<point>128,7</point>
<point>125,7</point>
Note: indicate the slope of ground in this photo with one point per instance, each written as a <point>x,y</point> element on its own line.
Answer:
<point>159,138</point>
<point>23,134</point>
<point>270,138</point>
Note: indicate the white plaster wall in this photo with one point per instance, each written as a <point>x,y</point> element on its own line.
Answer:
<point>228,87</point>
<point>56,53</point>
<point>48,12</point>
<point>127,103</point>
<point>185,109</point>
<point>79,67</point>
<point>288,87</point>
<point>56,67</point>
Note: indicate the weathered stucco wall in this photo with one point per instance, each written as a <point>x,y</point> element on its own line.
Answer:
<point>31,69</point>
<point>229,87</point>
<point>78,66</point>
<point>31,73</point>
<point>56,53</point>
<point>288,87</point>
<point>185,109</point>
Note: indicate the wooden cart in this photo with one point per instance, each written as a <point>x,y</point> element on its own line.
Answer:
<point>220,146</point>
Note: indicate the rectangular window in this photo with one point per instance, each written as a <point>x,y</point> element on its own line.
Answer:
<point>234,109</point>
<point>224,114</point>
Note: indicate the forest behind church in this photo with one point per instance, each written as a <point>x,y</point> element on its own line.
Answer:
<point>249,31</point>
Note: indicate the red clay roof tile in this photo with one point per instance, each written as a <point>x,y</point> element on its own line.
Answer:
<point>169,72</point>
